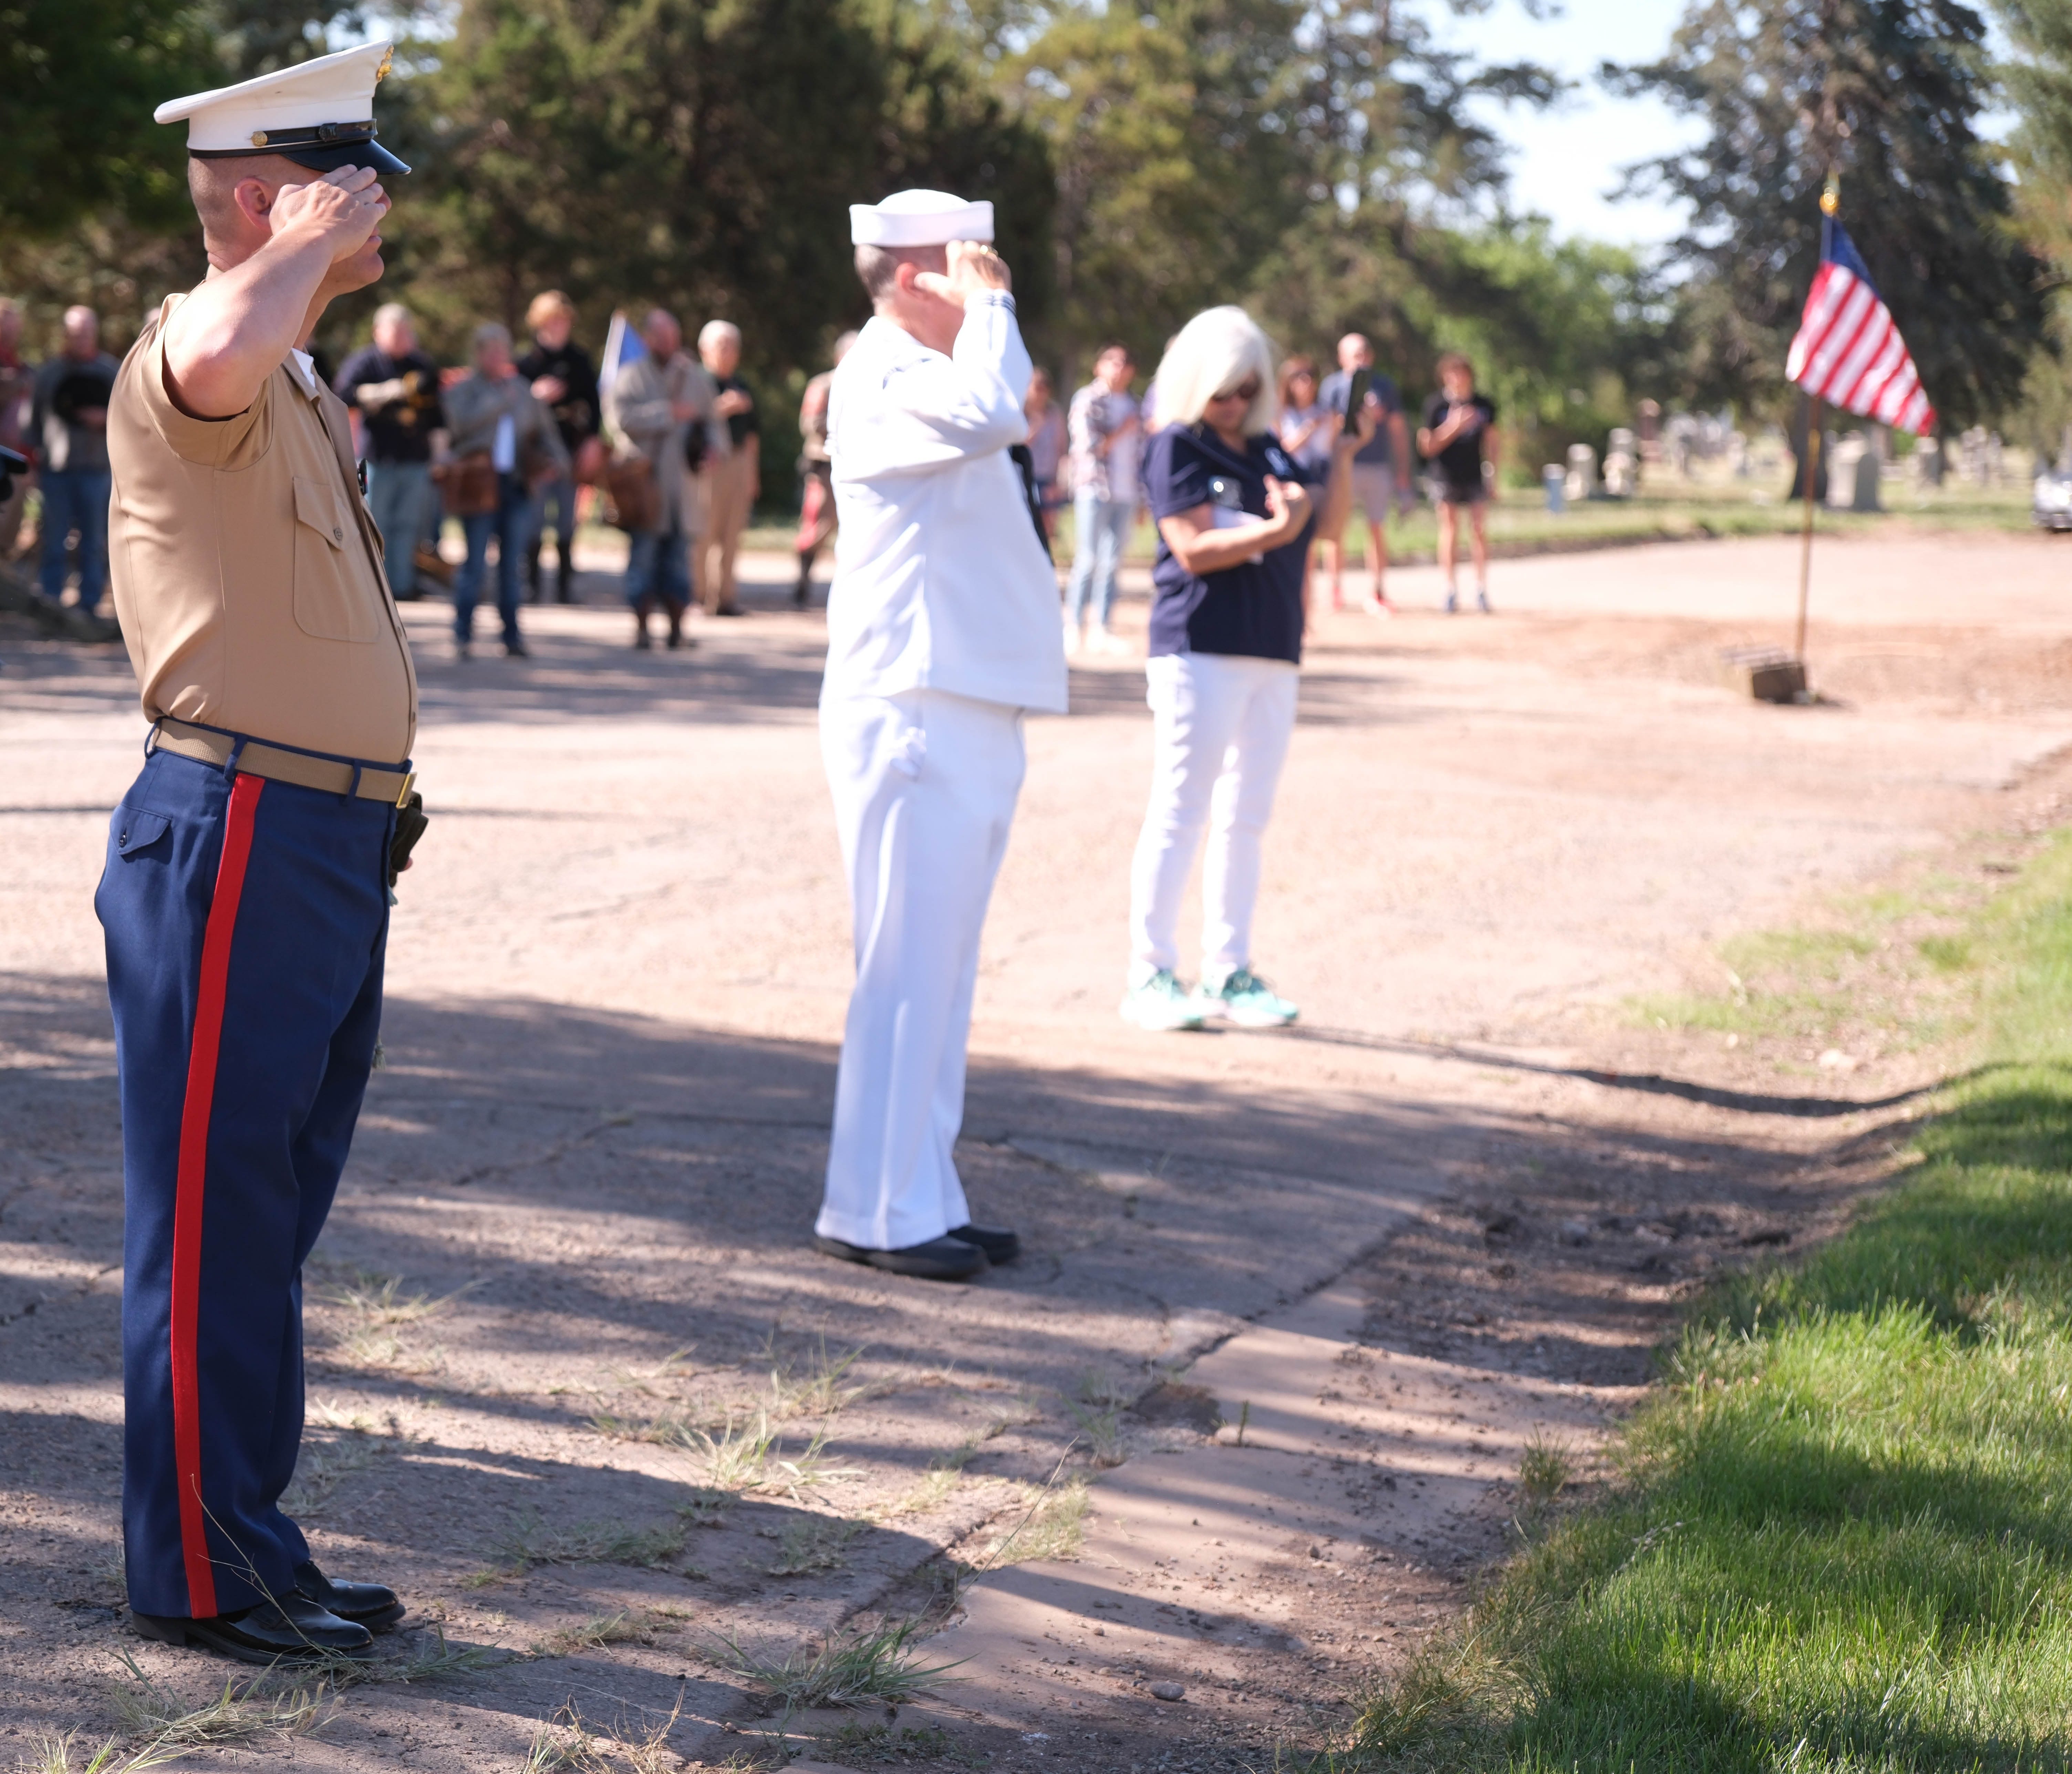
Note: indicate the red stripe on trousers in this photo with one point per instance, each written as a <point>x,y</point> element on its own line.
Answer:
<point>193,1176</point>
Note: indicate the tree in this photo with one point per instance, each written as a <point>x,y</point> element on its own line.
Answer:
<point>1886,93</point>
<point>694,152</point>
<point>82,78</point>
<point>1193,138</point>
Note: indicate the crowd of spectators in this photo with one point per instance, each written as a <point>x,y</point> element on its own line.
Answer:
<point>517,448</point>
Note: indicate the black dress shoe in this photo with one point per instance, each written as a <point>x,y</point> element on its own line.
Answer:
<point>999,1244</point>
<point>516,649</point>
<point>939,1260</point>
<point>373,1606</point>
<point>293,1629</point>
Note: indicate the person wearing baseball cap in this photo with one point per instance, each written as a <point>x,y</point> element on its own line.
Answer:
<point>246,889</point>
<point>942,630</point>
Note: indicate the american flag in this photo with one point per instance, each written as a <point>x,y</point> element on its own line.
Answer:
<point>1848,352</point>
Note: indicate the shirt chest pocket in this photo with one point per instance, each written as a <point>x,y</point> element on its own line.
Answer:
<point>334,595</point>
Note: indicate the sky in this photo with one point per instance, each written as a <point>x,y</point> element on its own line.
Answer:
<point>1567,159</point>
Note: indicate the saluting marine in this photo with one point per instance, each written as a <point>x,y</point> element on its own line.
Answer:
<point>942,630</point>
<point>245,896</point>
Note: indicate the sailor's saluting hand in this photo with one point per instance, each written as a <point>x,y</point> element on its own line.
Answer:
<point>344,207</point>
<point>974,270</point>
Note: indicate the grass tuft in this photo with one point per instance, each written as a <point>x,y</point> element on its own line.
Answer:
<point>1053,1528</point>
<point>162,1725</point>
<point>533,1541</point>
<point>875,1665</point>
<point>814,1542</point>
<point>601,1630</point>
<point>747,1458</point>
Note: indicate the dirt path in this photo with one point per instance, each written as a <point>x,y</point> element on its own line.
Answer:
<point>568,1342</point>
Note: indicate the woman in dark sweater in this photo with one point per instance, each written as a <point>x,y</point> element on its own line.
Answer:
<point>1234,518</point>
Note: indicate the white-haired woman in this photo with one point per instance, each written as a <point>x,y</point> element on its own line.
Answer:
<point>1235,520</point>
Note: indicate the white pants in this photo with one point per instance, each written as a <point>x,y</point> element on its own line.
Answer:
<point>1220,727</point>
<point>924,789</point>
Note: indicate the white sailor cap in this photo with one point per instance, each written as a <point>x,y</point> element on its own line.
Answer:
<point>919,218</point>
<point>319,114</point>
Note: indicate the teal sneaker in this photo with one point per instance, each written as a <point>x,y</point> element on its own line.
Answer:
<point>1246,999</point>
<point>1161,1003</point>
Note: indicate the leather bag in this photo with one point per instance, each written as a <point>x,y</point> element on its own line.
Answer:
<point>468,484</point>
<point>636,501</point>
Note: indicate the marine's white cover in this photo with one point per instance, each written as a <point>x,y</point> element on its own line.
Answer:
<point>919,218</point>
<point>336,88</point>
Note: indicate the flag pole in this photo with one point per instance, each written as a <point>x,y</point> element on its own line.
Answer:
<point>1812,467</point>
<point>1830,201</point>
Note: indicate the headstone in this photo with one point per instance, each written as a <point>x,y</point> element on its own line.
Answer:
<point>1622,466</point>
<point>1554,480</point>
<point>1582,478</point>
<point>1843,454</point>
<point>1869,471</point>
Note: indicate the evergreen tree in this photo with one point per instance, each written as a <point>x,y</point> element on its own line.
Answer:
<point>698,154</point>
<point>1886,93</point>
<point>81,79</point>
<point>1197,142</point>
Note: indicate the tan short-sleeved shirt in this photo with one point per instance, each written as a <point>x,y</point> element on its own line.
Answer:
<point>247,571</point>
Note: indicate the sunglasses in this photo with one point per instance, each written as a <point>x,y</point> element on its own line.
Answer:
<point>1246,392</point>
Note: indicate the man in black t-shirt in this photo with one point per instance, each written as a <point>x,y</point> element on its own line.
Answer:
<point>393,391</point>
<point>1458,437</point>
<point>735,482</point>
<point>564,381</point>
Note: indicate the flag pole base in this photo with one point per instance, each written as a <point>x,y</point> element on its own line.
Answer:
<point>1770,675</point>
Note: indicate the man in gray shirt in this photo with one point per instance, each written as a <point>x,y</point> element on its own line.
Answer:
<point>1381,471</point>
<point>68,430</point>
<point>663,407</point>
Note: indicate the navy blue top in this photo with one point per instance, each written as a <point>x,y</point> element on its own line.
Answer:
<point>1254,609</point>
<point>1379,451</point>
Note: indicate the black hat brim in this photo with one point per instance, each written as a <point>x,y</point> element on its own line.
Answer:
<point>328,157</point>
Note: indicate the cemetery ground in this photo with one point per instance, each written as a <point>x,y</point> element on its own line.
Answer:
<point>1617,986</point>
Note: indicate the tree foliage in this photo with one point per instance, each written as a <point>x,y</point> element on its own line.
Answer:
<point>1195,140</point>
<point>81,79</point>
<point>1888,94</point>
<point>700,153</point>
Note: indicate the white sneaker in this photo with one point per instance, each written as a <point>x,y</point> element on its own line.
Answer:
<point>1071,637</point>
<point>1105,640</point>
<point>1161,1004</point>
<point>1244,999</point>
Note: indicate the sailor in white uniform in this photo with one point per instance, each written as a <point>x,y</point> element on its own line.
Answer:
<point>942,630</point>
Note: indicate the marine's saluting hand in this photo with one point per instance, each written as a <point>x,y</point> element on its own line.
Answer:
<point>975,268</point>
<point>344,207</point>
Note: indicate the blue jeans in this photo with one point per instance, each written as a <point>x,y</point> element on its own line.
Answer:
<point>660,566</point>
<point>75,498</point>
<point>508,524</point>
<point>1102,526</point>
<point>559,498</point>
<point>396,498</point>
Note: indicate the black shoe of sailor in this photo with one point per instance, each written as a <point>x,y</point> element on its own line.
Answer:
<point>939,1260</point>
<point>999,1243</point>
<point>294,1630</point>
<point>373,1606</point>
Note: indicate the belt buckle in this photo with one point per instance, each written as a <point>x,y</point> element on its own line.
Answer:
<point>403,794</point>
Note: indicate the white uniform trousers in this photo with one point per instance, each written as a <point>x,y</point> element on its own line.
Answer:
<point>924,787</point>
<point>1220,727</point>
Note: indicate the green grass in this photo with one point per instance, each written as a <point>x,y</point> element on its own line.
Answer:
<point>1889,970</point>
<point>1842,1537</point>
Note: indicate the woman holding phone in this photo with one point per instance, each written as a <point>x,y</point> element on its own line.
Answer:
<point>1235,517</point>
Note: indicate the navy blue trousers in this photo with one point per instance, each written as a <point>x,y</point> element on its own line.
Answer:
<point>246,924</point>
